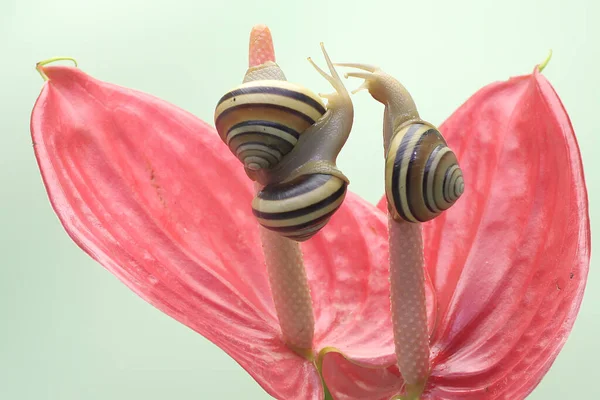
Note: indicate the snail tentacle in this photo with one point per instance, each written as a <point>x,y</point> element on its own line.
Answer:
<point>334,79</point>
<point>365,67</point>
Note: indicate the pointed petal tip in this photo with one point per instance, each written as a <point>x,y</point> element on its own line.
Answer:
<point>261,47</point>
<point>39,66</point>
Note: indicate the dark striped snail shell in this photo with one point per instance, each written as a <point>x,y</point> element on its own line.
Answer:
<point>288,141</point>
<point>261,121</point>
<point>422,175</point>
<point>300,208</point>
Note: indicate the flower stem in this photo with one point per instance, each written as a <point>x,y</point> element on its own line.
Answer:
<point>328,395</point>
<point>408,302</point>
<point>290,290</point>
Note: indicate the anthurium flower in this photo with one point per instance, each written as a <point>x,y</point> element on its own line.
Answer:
<point>139,185</point>
<point>509,261</point>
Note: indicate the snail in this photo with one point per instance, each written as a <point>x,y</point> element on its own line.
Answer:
<point>288,140</point>
<point>422,174</point>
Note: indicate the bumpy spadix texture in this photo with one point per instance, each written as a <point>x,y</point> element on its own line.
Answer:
<point>139,185</point>
<point>261,49</point>
<point>408,301</point>
<point>509,261</point>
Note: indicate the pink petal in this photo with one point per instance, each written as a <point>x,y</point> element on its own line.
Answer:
<point>138,184</point>
<point>510,260</point>
<point>349,381</point>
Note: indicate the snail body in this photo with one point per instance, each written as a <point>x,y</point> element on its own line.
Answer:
<point>288,141</point>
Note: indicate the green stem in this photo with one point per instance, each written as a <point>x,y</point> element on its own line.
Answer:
<point>328,395</point>
<point>546,61</point>
<point>40,64</point>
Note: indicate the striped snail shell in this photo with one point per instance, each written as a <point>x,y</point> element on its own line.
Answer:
<point>301,207</point>
<point>261,121</point>
<point>422,175</point>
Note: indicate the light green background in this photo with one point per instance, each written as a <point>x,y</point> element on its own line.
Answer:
<point>70,330</point>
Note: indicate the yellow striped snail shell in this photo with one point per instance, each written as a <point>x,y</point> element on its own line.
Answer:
<point>288,141</point>
<point>422,175</point>
<point>261,121</point>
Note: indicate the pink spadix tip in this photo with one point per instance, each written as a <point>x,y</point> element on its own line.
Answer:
<point>261,46</point>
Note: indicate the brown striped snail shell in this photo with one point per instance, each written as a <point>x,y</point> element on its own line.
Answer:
<point>261,121</point>
<point>288,141</point>
<point>422,175</point>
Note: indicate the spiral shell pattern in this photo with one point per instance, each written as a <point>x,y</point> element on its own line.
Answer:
<point>422,175</point>
<point>300,208</point>
<point>261,121</point>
